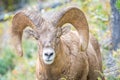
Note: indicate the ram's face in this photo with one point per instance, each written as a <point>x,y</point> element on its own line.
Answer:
<point>47,43</point>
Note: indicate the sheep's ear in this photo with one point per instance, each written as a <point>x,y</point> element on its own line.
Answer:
<point>65,29</point>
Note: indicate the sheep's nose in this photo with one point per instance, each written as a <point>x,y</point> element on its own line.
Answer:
<point>48,54</point>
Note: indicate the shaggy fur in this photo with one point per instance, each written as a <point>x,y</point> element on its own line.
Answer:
<point>71,63</point>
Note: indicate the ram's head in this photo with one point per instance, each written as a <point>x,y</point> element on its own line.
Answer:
<point>48,32</point>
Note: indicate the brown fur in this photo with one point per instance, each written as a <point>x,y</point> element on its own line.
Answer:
<point>71,63</point>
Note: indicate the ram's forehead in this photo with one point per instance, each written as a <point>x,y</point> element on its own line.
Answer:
<point>46,27</point>
<point>46,35</point>
<point>47,32</point>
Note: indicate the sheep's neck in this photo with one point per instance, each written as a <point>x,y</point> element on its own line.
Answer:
<point>58,68</point>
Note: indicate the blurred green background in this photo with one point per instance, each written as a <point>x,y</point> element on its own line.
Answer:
<point>13,67</point>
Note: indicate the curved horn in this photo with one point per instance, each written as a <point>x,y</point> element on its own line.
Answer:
<point>77,18</point>
<point>20,21</point>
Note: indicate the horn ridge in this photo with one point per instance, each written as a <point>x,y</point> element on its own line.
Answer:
<point>20,21</point>
<point>34,16</point>
<point>77,18</point>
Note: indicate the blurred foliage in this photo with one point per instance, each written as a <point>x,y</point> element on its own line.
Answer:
<point>25,69</point>
<point>116,54</point>
<point>12,5</point>
<point>118,4</point>
<point>112,78</point>
<point>6,62</point>
<point>13,67</point>
<point>29,48</point>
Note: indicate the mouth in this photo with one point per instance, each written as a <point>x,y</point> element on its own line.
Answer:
<point>48,60</point>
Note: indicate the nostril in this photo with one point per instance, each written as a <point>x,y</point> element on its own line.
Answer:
<point>51,54</point>
<point>46,54</point>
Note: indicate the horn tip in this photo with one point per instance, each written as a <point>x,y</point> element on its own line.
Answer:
<point>19,50</point>
<point>20,53</point>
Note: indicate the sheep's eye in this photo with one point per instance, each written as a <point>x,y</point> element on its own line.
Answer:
<point>57,37</point>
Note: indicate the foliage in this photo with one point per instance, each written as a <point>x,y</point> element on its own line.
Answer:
<point>112,78</point>
<point>10,69</point>
<point>12,4</point>
<point>118,4</point>
<point>6,62</point>
<point>29,47</point>
<point>116,54</point>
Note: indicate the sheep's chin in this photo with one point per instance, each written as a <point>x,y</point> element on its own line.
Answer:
<point>48,62</point>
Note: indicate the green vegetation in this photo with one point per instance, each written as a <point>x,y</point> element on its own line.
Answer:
<point>13,67</point>
<point>12,5</point>
<point>6,62</point>
<point>118,4</point>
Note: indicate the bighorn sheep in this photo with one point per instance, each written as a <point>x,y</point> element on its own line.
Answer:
<point>72,55</point>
